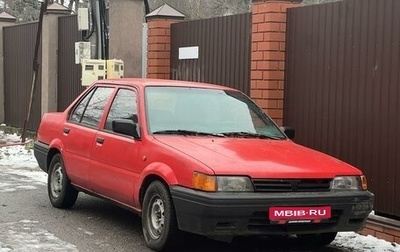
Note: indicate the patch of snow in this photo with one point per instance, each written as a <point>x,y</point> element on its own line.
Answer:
<point>15,178</point>
<point>15,155</point>
<point>26,236</point>
<point>18,167</point>
<point>360,243</point>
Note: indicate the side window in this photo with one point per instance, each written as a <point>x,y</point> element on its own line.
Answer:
<point>123,107</point>
<point>91,108</point>
<point>76,115</point>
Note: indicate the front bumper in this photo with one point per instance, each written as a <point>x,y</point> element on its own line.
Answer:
<point>243,214</point>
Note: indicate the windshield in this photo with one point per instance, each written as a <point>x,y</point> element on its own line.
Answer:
<point>199,111</point>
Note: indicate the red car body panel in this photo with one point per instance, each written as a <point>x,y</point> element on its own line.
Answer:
<point>259,159</point>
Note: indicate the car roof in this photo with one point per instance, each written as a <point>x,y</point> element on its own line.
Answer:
<point>142,82</point>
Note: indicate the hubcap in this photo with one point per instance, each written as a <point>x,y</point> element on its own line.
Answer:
<point>56,181</point>
<point>156,216</point>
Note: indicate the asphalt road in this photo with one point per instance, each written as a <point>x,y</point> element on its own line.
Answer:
<point>96,225</point>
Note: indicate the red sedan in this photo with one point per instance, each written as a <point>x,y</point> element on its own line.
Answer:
<point>198,158</point>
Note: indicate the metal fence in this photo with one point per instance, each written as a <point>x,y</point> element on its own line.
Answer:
<point>223,51</point>
<point>342,88</point>
<point>19,47</point>
<point>69,73</point>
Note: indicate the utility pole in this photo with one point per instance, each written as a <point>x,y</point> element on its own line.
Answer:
<point>43,9</point>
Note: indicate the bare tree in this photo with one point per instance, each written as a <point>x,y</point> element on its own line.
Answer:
<point>310,2</point>
<point>197,9</point>
<point>229,7</point>
<point>72,4</point>
<point>23,10</point>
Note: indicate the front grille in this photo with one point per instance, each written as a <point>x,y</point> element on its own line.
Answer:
<point>291,185</point>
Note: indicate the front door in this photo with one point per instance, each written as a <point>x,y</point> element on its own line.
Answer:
<point>114,159</point>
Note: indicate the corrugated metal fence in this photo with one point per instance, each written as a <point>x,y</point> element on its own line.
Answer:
<point>224,51</point>
<point>18,56</point>
<point>343,87</point>
<point>19,47</point>
<point>69,73</point>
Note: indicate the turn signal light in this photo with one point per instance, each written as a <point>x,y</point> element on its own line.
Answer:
<point>204,182</point>
<point>364,183</point>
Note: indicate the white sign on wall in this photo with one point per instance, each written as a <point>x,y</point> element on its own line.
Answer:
<point>189,52</point>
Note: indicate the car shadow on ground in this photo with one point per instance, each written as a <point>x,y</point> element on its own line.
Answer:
<point>130,224</point>
<point>251,244</point>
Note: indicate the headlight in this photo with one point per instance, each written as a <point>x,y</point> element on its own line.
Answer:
<point>234,184</point>
<point>221,183</point>
<point>349,183</point>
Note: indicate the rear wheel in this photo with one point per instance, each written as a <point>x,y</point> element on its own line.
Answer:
<point>317,240</point>
<point>61,193</point>
<point>158,217</point>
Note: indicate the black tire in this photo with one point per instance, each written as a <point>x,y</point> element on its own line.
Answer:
<point>317,240</point>
<point>61,193</point>
<point>158,218</point>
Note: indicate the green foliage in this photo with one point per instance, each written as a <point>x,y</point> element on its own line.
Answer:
<point>29,146</point>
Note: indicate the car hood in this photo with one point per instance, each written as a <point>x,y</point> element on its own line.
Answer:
<point>259,158</point>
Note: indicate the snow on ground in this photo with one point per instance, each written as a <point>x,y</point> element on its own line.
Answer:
<point>19,171</point>
<point>351,241</point>
<point>26,236</point>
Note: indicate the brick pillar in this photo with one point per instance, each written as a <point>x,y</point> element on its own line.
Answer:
<point>268,55</point>
<point>159,48</point>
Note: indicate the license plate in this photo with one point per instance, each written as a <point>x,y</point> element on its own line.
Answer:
<point>300,214</point>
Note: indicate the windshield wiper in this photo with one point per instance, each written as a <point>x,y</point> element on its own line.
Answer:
<point>249,135</point>
<point>187,133</point>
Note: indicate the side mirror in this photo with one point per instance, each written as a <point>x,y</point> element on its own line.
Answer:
<point>289,131</point>
<point>126,127</point>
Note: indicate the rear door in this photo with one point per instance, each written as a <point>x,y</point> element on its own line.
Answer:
<point>114,160</point>
<point>79,133</point>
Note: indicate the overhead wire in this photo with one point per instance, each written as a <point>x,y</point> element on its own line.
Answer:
<point>104,29</point>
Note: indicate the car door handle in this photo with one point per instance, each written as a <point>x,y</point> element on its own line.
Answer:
<point>100,140</point>
<point>66,130</point>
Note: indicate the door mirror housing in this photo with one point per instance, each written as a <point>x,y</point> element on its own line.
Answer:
<point>289,131</point>
<point>126,127</point>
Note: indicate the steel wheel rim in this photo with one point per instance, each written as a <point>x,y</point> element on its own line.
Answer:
<point>56,181</point>
<point>156,217</point>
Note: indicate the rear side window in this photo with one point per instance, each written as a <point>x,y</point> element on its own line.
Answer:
<point>90,109</point>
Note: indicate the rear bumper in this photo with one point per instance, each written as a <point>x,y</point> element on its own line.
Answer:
<point>40,150</point>
<point>243,214</point>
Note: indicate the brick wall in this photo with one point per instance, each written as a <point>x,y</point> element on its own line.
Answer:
<point>159,47</point>
<point>382,228</point>
<point>268,55</point>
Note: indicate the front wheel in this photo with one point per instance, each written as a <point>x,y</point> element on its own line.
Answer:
<point>158,217</point>
<point>317,240</point>
<point>61,193</point>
